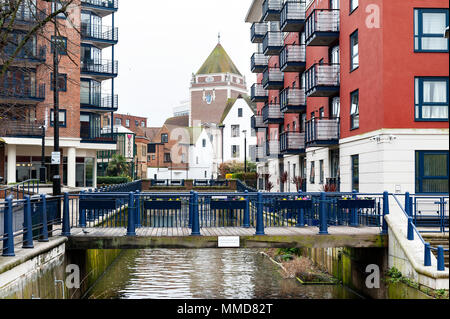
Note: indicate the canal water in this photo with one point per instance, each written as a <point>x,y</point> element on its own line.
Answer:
<point>203,273</point>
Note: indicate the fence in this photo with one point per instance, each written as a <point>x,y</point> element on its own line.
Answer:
<point>19,190</point>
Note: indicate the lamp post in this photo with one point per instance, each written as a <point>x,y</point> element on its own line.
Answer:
<point>42,172</point>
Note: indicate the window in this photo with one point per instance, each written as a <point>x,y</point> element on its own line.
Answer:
<point>153,157</point>
<point>354,110</point>
<point>62,82</point>
<point>354,51</point>
<point>164,138</point>
<point>62,118</point>
<point>204,143</point>
<point>353,5</point>
<point>144,150</point>
<point>432,171</point>
<point>166,157</point>
<point>56,5</point>
<point>335,107</point>
<point>151,148</point>
<point>234,151</point>
<point>355,173</point>
<point>312,173</point>
<point>183,158</point>
<point>321,113</point>
<point>234,130</point>
<point>143,123</point>
<point>239,112</point>
<point>127,123</point>
<point>429,28</point>
<point>321,172</point>
<point>136,123</point>
<point>118,121</point>
<point>431,98</point>
<point>61,44</point>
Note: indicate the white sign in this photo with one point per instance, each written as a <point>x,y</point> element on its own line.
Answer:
<point>56,158</point>
<point>228,241</point>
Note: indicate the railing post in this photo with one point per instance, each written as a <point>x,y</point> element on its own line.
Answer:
<point>259,215</point>
<point>131,229</point>
<point>191,208</point>
<point>300,214</point>
<point>66,216</point>
<point>427,257</point>
<point>410,229</point>
<point>354,213</point>
<point>44,231</point>
<point>195,217</point>
<point>8,234</point>
<point>27,224</point>
<point>440,258</point>
<point>247,211</point>
<point>384,228</point>
<point>323,230</point>
<point>407,207</point>
<point>138,209</point>
<point>82,218</point>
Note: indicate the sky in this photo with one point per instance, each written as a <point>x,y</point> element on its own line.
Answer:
<point>161,43</point>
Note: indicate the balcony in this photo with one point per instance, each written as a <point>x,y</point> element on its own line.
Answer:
<point>102,70</point>
<point>322,80</point>
<point>11,128</point>
<point>101,7</point>
<point>322,27</point>
<point>273,43</point>
<point>257,153</point>
<point>257,122</point>
<point>258,93</point>
<point>293,16</point>
<point>93,135</point>
<point>26,18</point>
<point>273,79</point>
<point>258,31</point>
<point>101,36</point>
<point>271,114</point>
<point>292,143</point>
<point>99,102</point>
<point>20,94</point>
<point>258,63</point>
<point>292,100</point>
<point>322,132</point>
<point>273,149</point>
<point>293,58</point>
<point>271,10</point>
<point>27,57</point>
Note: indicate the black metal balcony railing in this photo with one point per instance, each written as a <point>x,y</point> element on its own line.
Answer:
<point>271,114</point>
<point>322,27</point>
<point>273,79</point>
<point>273,43</point>
<point>292,143</point>
<point>322,131</point>
<point>33,55</point>
<point>104,68</point>
<point>292,18</point>
<point>256,122</point>
<point>259,62</point>
<point>99,33</point>
<point>322,80</point>
<point>27,15</point>
<point>17,91</point>
<point>273,148</point>
<point>293,58</point>
<point>9,128</point>
<point>292,100</point>
<point>258,93</point>
<point>258,31</point>
<point>104,4</point>
<point>271,10</point>
<point>94,135</point>
<point>99,100</point>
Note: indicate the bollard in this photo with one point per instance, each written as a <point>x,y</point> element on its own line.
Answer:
<point>8,234</point>
<point>66,217</point>
<point>44,230</point>
<point>27,224</point>
<point>191,208</point>
<point>138,209</point>
<point>427,257</point>
<point>259,215</point>
<point>323,228</point>
<point>131,228</point>
<point>384,228</point>
<point>247,211</point>
<point>354,213</point>
<point>440,258</point>
<point>195,216</point>
<point>82,218</point>
<point>410,229</point>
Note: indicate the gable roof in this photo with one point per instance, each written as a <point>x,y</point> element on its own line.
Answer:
<point>179,121</point>
<point>231,102</point>
<point>218,62</point>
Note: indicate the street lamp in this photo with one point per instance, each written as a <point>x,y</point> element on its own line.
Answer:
<point>42,170</point>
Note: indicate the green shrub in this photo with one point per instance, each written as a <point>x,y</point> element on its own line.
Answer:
<point>112,180</point>
<point>244,176</point>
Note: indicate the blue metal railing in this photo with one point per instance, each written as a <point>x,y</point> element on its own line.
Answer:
<point>108,4</point>
<point>21,91</point>
<point>19,190</point>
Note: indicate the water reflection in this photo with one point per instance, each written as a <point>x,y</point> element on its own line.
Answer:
<point>203,273</point>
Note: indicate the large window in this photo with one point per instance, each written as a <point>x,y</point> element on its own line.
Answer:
<point>432,171</point>
<point>164,138</point>
<point>354,51</point>
<point>234,130</point>
<point>355,172</point>
<point>431,98</point>
<point>312,173</point>
<point>61,44</point>
<point>353,5</point>
<point>61,83</point>
<point>429,29</point>
<point>354,110</point>
<point>321,172</point>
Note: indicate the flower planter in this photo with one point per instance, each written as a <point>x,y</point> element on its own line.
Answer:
<point>162,204</point>
<point>98,204</point>
<point>355,203</point>
<point>228,204</point>
<point>293,204</point>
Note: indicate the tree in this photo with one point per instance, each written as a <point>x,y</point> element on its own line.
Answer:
<point>283,180</point>
<point>118,166</point>
<point>298,181</point>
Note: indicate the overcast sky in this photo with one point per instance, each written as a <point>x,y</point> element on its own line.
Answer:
<point>161,43</point>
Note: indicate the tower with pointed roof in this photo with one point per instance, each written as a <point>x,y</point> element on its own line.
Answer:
<point>217,80</point>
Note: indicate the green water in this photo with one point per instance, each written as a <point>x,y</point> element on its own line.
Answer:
<point>203,273</point>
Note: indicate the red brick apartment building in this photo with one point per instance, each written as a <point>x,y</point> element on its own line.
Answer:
<point>86,91</point>
<point>352,93</point>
